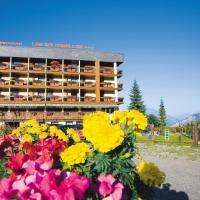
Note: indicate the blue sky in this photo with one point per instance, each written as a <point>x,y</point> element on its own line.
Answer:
<point>160,40</point>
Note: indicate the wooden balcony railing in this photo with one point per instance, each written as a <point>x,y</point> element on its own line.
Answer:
<point>37,67</point>
<point>17,98</point>
<point>19,67</point>
<point>107,70</point>
<point>4,66</point>
<point>88,99</point>
<point>87,84</point>
<point>107,85</point>
<point>54,83</point>
<point>71,83</point>
<point>4,98</point>
<point>87,69</point>
<point>37,83</point>
<point>108,99</point>
<point>70,68</point>
<point>39,115</point>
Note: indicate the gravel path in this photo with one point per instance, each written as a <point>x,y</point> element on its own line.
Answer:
<point>182,167</point>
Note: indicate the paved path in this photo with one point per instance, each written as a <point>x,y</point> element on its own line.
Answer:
<point>182,167</point>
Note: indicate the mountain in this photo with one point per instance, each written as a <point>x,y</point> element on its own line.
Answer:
<point>189,119</point>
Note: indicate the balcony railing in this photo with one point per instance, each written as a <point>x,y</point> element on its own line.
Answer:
<point>39,115</point>
<point>108,99</point>
<point>4,66</point>
<point>4,98</point>
<point>71,98</point>
<point>107,85</point>
<point>54,98</point>
<point>87,69</point>
<point>54,83</point>
<point>19,67</point>
<point>107,70</point>
<point>120,100</point>
<point>36,98</point>
<point>88,99</point>
<point>70,68</point>
<point>18,98</point>
<point>4,82</point>
<point>37,67</point>
<point>87,84</point>
<point>71,83</point>
<point>37,83</point>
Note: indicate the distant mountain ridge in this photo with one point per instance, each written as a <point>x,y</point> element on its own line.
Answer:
<point>176,120</point>
<point>189,119</point>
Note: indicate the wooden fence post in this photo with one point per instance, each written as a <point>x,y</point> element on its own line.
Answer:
<point>152,131</point>
<point>195,133</point>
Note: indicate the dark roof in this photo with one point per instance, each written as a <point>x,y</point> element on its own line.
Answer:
<point>59,53</point>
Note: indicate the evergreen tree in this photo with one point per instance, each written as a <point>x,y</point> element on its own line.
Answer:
<point>136,99</point>
<point>153,119</point>
<point>162,114</point>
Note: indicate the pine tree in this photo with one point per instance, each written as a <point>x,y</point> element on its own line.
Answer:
<point>136,99</point>
<point>162,114</point>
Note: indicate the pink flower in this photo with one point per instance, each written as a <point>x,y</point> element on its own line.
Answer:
<point>108,186</point>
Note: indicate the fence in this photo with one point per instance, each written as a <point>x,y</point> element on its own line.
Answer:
<point>177,134</point>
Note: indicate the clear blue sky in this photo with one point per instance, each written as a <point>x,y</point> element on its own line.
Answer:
<point>160,40</point>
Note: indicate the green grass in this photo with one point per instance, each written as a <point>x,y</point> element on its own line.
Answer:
<point>176,138</point>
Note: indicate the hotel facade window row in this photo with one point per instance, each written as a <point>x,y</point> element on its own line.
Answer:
<point>57,84</point>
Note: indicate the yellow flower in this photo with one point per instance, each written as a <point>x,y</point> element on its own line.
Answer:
<point>119,116</point>
<point>73,134</point>
<point>32,127</point>
<point>99,131</point>
<point>27,138</point>
<point>17,132</point>
<point>55,132</point>
<point>150,174</point>
<point>132,117</point>
<point>138,118</point>
<point>43,127</point>
<point>75,154</point>
<point>43,135</point>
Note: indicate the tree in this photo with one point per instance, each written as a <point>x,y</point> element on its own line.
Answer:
<point>136,99</point>
<point>152,119</point>
<point>162,114</point>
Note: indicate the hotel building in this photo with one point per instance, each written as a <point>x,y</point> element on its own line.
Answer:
<point>57,84</point>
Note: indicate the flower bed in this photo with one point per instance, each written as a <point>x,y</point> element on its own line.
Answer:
<point>43,162</point>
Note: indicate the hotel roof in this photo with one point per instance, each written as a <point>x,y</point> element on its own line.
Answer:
<point>60,53</point>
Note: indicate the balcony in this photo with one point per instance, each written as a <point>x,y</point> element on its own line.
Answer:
<point>87,84</point>
<point>71,98</point>
<point>18,98</point>
<point>108,99</point>
<point>36,98</point>
<point>120,100</point>
<point>54,67</point>
<point>119,73</point>
<point>107,70</point>
<point>35,67</point>
<point>88,99</point>
<point>70,68</point>
<point>18,82</point>
<point>19,67</point>
<point>88,69</point>
<point>4,82</point>
<point>54,98</point>
<point>54,83</point>
<point>3,98</point>
<point>4,66</point>
<point>39,115</point>
<point>72,83</point>
<point>107,85</point>
<point>37,83</point>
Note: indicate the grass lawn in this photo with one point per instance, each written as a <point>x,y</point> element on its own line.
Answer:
<point>173,138</point>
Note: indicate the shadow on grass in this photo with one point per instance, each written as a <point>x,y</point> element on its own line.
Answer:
<point>165,193</point>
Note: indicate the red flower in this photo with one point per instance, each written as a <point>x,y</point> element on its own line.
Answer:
<point>15,163</point>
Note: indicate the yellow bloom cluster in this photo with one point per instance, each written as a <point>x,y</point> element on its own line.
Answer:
<point>56,132</point>
<point>73,134</point>
<point>27,138</point>
<point>98,130</point>
<point>133,116</point>
<point>75,154</point>
<point>150,174</point>
<point>30,128</point>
